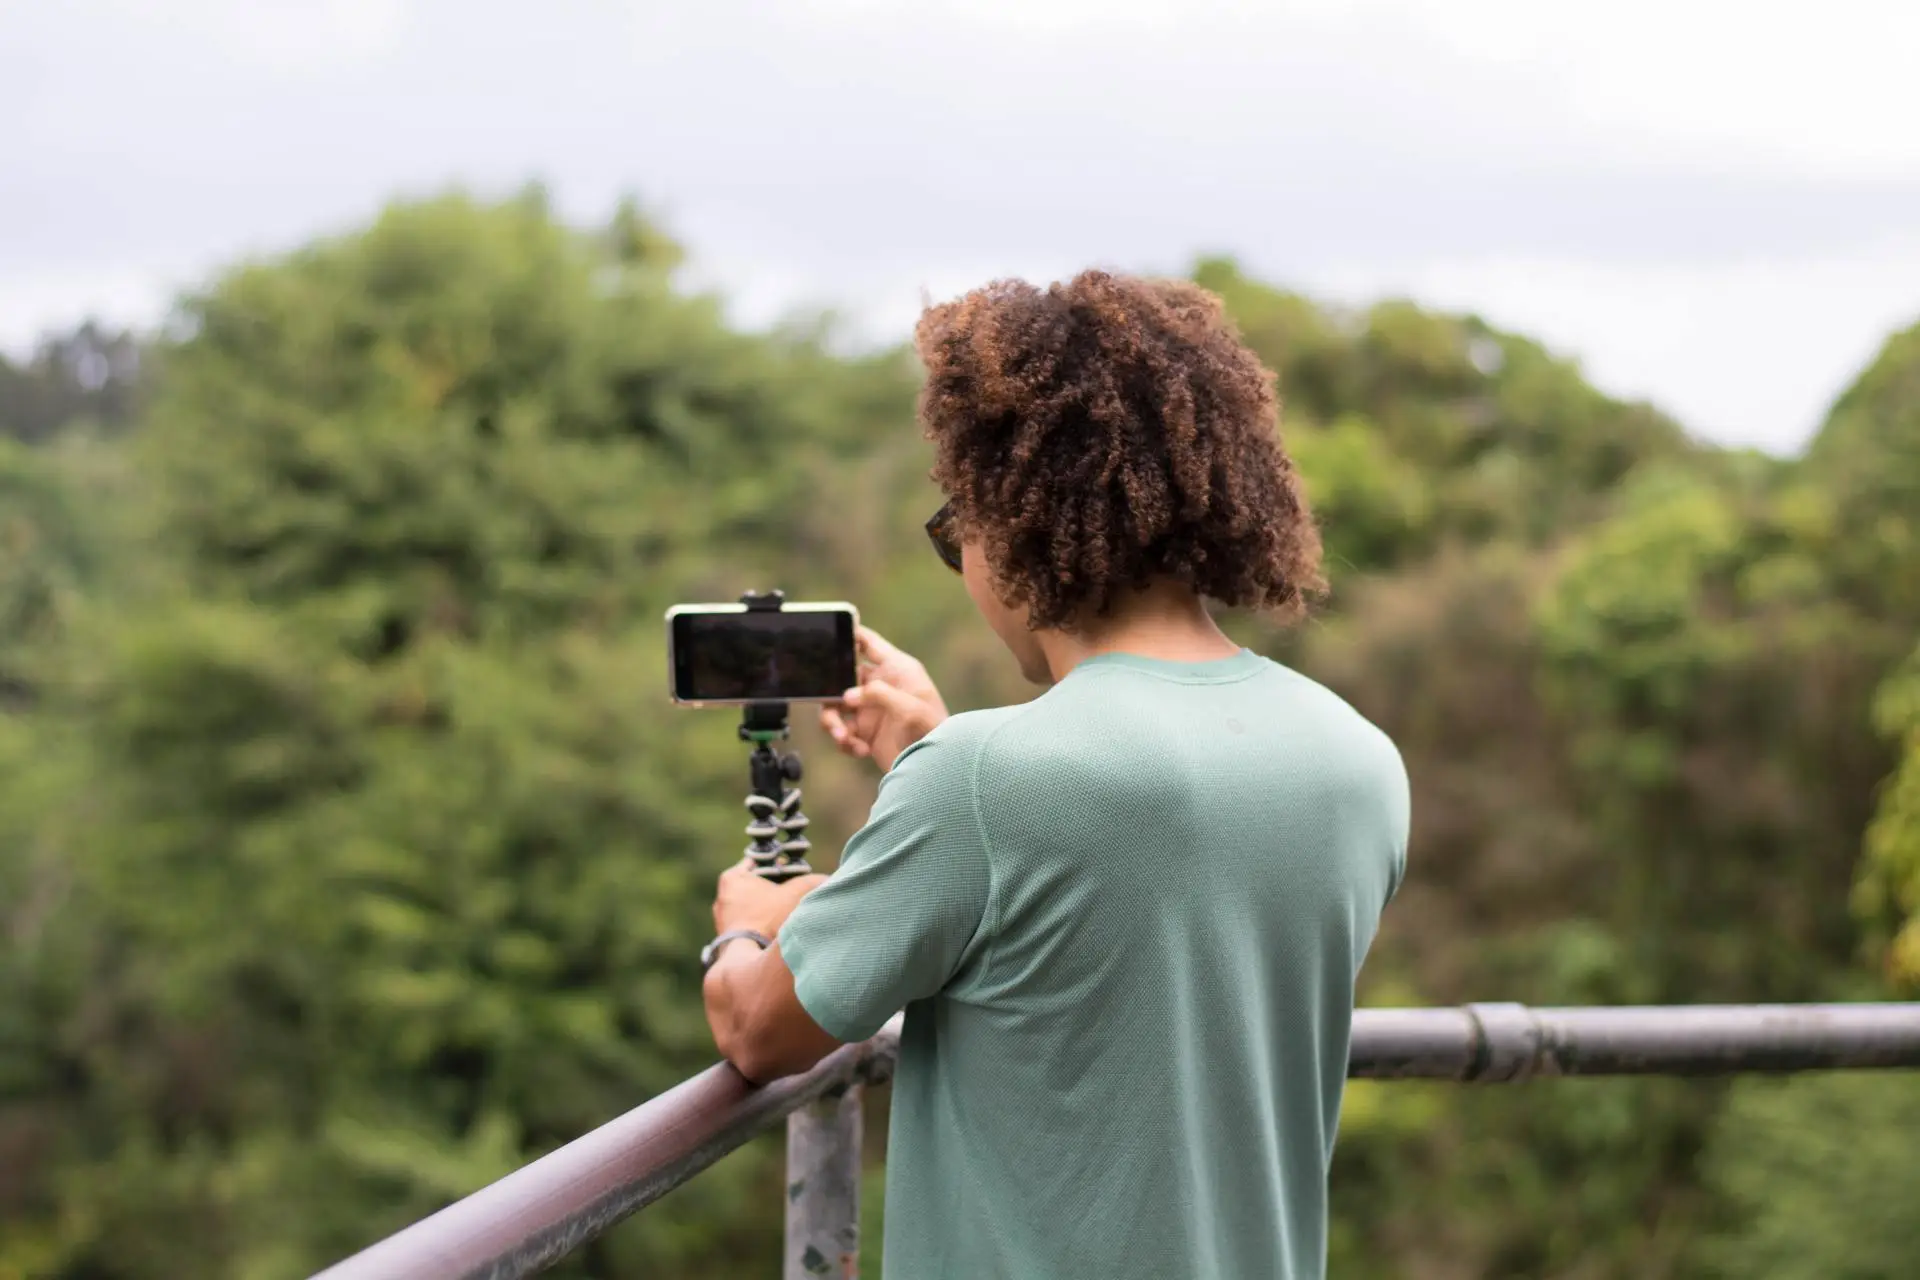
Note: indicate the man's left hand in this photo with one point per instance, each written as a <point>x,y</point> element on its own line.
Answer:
<point>747,901</point>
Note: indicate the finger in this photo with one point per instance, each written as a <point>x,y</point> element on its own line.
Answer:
<point>881,696</point>
<point>874,646</point>
<point>833,722</point>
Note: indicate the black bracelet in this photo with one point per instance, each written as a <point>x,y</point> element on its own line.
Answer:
<point>709,952</point>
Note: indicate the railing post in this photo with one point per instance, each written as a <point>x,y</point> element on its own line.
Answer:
<point>823,1188</point>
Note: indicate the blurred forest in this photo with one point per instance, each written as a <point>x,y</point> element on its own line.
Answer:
<point>351,854</point>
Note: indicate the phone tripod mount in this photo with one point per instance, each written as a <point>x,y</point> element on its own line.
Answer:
<point>776,829</point>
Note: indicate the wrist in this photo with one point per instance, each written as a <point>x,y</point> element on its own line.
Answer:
<point>765,924</point>
<point>726,940</point>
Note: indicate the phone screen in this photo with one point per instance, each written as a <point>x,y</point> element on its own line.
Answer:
<point>792,655</point>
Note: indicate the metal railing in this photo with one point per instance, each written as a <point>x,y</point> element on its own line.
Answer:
<point>532,1217</point>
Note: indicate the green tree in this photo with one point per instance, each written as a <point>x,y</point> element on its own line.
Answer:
<point>402,856</point>
<point>1818,1174</point>
<point>91,375</point>
<point>1867,457</point>
<point>1507,441</point>
<point>350,855</point>
<point>61,548</point>
<point>1888,894</point>
<point>1715,690</point>
<point>1868,453</point>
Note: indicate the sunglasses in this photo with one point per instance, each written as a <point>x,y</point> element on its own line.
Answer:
<point>945,537</point>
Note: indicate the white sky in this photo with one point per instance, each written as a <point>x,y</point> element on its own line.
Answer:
<point>1713,204</point>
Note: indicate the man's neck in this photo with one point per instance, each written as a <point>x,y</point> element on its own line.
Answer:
<point>1165,621</point>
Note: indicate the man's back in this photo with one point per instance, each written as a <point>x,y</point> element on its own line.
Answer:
<point>1125,920</point>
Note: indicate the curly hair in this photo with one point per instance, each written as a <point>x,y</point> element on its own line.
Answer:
<point>1107,432</point>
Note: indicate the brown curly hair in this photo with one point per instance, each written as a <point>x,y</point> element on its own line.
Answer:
<point>1106,432</point>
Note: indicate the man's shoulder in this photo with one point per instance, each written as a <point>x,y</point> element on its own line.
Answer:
<point>1331,711</point>
<point>974,728</point>
<point>949,756</point>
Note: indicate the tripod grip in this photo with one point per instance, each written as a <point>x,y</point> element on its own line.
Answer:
<point>777,832</point>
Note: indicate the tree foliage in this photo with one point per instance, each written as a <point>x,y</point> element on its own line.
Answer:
<point>350,855</point>
<point>89,377</point>
<point>399,733</point>
<point>1817,1176</point>
<point>1888,894</point>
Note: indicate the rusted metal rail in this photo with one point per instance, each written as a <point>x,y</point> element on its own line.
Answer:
<point>527,1220</point>
<point>536,1215</point>
<point>1498,1043</point>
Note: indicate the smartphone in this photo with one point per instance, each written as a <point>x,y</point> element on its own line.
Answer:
<point>726,654</point>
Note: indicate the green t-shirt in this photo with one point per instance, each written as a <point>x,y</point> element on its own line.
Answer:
<point>1124,920</point>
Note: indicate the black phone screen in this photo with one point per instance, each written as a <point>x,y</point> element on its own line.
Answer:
<point>800,655</point>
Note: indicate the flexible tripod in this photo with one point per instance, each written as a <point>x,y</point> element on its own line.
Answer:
<point>776,829</point>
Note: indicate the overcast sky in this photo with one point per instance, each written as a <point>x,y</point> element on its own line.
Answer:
<point>1713,204</point>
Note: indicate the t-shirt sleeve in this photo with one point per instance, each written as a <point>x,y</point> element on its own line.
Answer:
<point>1399,790</point>
<point>905,910</point>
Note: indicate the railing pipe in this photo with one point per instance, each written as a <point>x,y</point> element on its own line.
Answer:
<point>532,1217</point>
<point>1497,1043</point>
<point>536,1215</point>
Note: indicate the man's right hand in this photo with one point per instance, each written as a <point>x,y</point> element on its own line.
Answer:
<point>894,706</point>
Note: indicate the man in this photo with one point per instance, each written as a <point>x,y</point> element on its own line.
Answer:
<point>1125,918</point>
